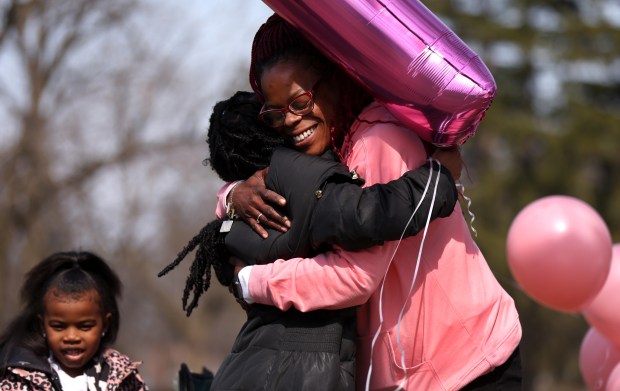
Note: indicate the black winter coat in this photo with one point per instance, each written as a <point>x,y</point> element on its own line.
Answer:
<point>327,206</point>
<point>292,350</point>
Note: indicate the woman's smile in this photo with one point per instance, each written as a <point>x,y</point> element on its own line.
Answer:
<point>304,135</point>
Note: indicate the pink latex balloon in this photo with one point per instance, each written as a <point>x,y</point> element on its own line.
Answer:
<point>407,58</point>
<point>603,312</point>
<point>598,356</point>
<point>613,381</point>
<point>559,251</point>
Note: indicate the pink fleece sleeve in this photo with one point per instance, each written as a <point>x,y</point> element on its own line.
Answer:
<point>220,207</point>
<point>339,279</point>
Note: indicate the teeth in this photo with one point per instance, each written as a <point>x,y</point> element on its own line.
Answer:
<point>304,135</point>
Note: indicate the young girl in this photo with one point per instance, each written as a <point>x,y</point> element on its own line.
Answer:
<point>60,340</point>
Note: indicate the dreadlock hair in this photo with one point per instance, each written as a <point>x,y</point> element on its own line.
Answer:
<point>277,41</point>
<point>67,273</point>
<point>239,145</point>
<point>211,252</point>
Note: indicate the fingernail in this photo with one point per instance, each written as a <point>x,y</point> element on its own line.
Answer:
<point>287,223</point>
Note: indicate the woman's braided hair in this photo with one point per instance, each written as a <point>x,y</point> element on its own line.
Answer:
<point>239,145</point>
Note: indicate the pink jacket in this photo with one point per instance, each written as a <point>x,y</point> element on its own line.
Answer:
<point>457,324</point>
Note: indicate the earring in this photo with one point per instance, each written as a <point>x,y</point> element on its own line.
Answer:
<point>103,333</point>
<point>44,335</point>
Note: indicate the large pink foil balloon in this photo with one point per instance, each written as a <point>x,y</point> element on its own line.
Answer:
<point>597,358</point>
<point>559,251</point>
<point>408,59</point>
<point>603,312</point>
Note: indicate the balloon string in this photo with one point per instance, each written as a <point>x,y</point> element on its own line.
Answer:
<point>376,336</point>
<point>472,216</point>
<point>413,280</point>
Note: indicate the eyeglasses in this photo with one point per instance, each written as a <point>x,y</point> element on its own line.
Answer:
<point>300,105</point>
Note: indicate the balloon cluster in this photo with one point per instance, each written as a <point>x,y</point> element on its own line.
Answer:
<point>560,251</point>
<point>411,62</point>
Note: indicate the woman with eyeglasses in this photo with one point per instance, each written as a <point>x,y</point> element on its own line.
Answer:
<point>287,349</point>
<point>430,313</point>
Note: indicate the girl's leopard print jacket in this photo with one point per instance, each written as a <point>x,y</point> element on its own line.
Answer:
<point>29,372</point>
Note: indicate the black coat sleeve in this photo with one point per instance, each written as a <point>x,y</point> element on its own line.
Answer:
<point>296,177</point>
<point>327,206</point>
<point>356,218</point>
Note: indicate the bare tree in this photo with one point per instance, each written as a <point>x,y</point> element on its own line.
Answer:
<point>102,130</point>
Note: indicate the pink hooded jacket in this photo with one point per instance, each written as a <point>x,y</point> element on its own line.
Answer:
<point>457,323</point>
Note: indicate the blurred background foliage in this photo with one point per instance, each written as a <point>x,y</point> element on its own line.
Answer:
<point>104,106</point>
<point>554,128</point>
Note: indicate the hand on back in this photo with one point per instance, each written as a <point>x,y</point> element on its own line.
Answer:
<point>253,203</point>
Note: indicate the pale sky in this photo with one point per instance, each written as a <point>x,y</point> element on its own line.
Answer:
<point>229,26</point>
